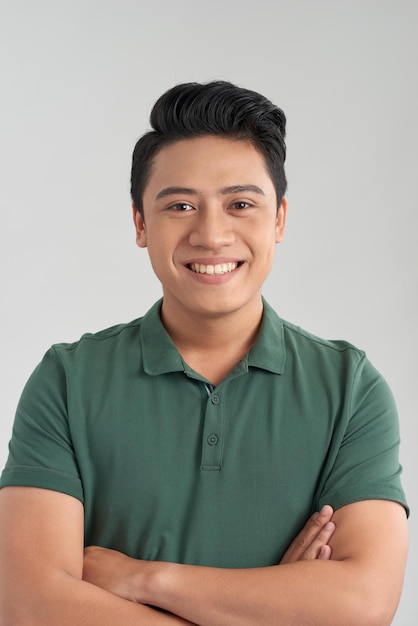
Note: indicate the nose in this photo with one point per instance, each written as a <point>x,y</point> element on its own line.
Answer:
<point>212,228</point>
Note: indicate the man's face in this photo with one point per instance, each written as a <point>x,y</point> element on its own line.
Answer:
<point>211,225</point>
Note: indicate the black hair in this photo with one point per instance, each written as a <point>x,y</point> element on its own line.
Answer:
<point>215,108</point>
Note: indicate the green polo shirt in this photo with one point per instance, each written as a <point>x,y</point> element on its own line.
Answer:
<point>169,468</point>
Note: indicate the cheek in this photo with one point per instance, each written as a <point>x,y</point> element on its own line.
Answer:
<point>161,252</point>
<point>264,243</point>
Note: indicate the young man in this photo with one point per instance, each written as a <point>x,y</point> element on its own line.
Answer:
<point>188,448</point>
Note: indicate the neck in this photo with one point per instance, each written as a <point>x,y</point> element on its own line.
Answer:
<point>212,344</point>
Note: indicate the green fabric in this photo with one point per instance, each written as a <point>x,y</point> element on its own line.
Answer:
<point>170,469</point>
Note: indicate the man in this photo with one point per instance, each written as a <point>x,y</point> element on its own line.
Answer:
<point>188,448</point>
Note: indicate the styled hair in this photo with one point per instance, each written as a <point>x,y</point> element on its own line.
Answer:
<point>216,108</point>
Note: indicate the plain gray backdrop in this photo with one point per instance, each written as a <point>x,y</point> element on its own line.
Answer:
<point>78,80</point>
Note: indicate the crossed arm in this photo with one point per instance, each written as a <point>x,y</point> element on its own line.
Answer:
<point>47,579</point>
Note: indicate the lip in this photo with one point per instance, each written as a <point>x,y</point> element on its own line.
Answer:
<point>212,261</point>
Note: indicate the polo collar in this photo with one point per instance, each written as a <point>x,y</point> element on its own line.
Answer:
<point>160,355</point>
<point>269,351</point>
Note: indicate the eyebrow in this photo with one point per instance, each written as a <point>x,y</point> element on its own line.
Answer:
<point>170,191</point>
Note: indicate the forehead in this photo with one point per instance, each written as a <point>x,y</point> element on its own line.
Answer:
<point>208,160</point>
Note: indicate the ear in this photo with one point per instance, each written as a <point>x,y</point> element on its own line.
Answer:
<point>141,235</point>
<point>281,220</point>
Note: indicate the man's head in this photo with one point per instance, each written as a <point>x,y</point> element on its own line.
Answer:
<point>216,108</point>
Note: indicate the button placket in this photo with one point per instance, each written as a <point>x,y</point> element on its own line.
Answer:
<point>213,434</point>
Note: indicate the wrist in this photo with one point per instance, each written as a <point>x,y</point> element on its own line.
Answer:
<point>152,582</point>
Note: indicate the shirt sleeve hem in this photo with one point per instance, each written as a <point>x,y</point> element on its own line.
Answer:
<point>338,502</point>
<point>43,479</point>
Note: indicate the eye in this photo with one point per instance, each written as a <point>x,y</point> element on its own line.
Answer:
<point>241,204</point>
<point>181,206</point>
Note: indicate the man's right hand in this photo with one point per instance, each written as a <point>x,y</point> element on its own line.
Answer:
<point>312,541</point>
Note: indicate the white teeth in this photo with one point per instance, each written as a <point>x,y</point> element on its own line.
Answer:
<point>219,268</point>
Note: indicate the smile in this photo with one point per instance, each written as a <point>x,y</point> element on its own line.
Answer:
<point>219,268</point>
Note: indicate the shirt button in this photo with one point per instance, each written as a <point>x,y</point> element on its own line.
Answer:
<point>212,439</point>
<point>215,399</point>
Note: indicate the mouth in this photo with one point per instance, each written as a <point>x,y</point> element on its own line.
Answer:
<point>214,270</point>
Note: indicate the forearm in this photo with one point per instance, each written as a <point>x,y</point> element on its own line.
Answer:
<point>64,600</point>
<point>41,568</point>
<point>360,586</point>
<point>307,592</point>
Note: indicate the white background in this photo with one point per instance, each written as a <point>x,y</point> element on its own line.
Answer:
<point>78,80</point>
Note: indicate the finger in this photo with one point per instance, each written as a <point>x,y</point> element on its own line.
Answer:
<point>312,537</point>
<point>320,518</point>
<point>324,553</point>
<point>314,528</point>
<point>313,551</point>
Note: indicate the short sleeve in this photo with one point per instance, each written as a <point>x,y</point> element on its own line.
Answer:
<point>367,465</point>
<point>41,453</point>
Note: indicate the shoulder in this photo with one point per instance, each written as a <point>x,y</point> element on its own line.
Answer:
<point>110,335</point>
<point>109,339</point>
<point>102,346</point>
<point>338,364</point>
<point>307,354</point>
<point>297,336</point>
<point>118,347</point>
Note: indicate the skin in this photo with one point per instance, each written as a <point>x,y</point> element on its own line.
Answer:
<point>42,564</point>
<point>346,572</point>
<point>218,217</point>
